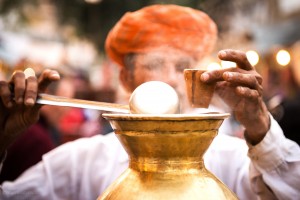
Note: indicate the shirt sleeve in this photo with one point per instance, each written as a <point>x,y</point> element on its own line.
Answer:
<point>76,170</point>
<point>275,166</point>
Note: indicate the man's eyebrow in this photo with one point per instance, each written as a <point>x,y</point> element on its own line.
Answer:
<point>154,62</point>
<point>183,63</point>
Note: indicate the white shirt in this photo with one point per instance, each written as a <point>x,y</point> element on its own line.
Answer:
<point>83,169</point>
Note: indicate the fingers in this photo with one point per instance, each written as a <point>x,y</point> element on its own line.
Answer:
<point>31,87</point>
<point>243,85</point>
<point>246,85</point>
<point>13,91</point>
<point>244,67</point>
<point>31,91</point>
<point>6,94</point>
<point>249,80</point>
<point>24,86</point>
<point>46,78</point>
<point>215,75</point>
<point>248,93</point>
<point>238,57</point>
<point>19,83</point>
<point>234,93</point>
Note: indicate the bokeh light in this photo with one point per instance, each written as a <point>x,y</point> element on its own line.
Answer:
<point>253,57</point>
<point>227,64</point>
<point>283,57</point>
<point>93,1</point>
<point>213,66</point>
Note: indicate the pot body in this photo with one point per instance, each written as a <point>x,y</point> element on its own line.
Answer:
<point>166,157</point>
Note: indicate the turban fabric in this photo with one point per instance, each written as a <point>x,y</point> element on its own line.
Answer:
<point>183,28</point>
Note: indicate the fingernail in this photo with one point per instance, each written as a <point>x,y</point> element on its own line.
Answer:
<point>29,101</point>
<point>55,75</point>
<point>228,75</point>
<point>222,53</point>
<point>204,77</point>
<point>20,100</point>
<point>241,89</point>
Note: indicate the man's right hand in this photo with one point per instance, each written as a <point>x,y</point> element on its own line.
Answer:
<point>17,104</point>
<point>241,89</point>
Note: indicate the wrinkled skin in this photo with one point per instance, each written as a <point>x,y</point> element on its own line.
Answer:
<point>20,111</point>
<point>241,88</point>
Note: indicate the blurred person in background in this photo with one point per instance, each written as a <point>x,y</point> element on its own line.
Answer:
<point>63,122</point>
<point>285,103</point>
<point>68,123</point>
<point>266,165</point>
<point>93,124</point>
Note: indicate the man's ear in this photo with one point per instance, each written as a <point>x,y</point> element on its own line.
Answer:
<point>126,79</point>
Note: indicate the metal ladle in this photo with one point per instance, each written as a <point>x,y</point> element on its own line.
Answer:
<point>152,97</point>
<point>54,100</point>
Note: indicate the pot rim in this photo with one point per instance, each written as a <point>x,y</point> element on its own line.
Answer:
<point>178,117</point>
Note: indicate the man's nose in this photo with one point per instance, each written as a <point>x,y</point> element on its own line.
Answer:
<point>172,77</point>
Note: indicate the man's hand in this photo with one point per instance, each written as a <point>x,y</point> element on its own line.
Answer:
<point>17,104</point>
<point>241,88</point>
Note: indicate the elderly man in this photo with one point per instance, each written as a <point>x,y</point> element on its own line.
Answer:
<point>157,43</point>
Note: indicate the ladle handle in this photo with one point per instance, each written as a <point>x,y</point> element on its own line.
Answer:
<point>47,99</point>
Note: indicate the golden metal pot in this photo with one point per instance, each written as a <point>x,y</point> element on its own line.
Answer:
<point>166,157</point>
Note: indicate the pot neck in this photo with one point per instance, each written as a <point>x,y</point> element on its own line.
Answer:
<point>169,165</point>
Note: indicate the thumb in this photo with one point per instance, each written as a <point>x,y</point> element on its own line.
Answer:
<point>46,78</point>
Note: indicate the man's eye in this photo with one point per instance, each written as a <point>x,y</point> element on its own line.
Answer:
<point>155,65</point>
<point>150,67</point>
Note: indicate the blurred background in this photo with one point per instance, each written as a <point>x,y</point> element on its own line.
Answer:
<point>69,35</point>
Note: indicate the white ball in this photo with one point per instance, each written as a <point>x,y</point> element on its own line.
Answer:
<point>154,97</point>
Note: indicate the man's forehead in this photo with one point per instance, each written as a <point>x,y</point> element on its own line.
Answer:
<point>163,54</point>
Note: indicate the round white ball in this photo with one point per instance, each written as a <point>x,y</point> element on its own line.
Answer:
<point>154,97</point>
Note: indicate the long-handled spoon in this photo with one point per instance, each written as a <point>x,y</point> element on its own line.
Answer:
<point>153,97</point>
<point>47,99</point>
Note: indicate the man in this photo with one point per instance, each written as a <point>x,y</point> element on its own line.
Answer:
<point>157,43</point>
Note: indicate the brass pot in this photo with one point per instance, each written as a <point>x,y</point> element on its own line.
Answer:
<point>166,157</point>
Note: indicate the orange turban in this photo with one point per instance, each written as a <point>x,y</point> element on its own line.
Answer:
<point>187,29</point>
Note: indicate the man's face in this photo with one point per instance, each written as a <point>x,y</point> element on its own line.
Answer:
<point>166,65</point>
